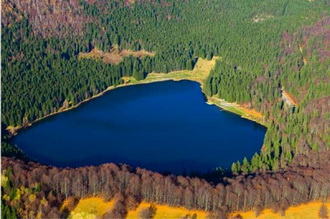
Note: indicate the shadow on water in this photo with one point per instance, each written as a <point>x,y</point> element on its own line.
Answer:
<point>188,168</point>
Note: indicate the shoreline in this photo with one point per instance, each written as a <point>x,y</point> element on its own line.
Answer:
<point>14,130</point>
<point>222,104</point>
<point>249,114</point>
<point>198,74</point>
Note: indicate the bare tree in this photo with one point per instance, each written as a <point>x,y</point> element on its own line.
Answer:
<point>148,213</point>
<point>257,210</point>
<point>323,212</point>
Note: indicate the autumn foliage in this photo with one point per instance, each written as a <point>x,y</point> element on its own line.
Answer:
<point>277,190</point>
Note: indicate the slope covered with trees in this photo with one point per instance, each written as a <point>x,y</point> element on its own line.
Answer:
<point>36,56</point>
<point>278,191</point>
<point>291,129</point>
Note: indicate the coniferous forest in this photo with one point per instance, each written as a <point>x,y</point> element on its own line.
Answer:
<point>266,48</point>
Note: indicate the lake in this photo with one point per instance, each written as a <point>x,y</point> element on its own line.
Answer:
<point>164,126</point>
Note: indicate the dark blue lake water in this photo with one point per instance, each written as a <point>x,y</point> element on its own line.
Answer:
<point>160,126</point>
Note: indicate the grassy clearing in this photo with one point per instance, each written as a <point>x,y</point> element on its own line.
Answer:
<point>304,211</point>
<point>199,74</point>
<point>241,110</point>
<point>225,105</point>
<point>96,207</point>
<point>115,56</point>
<point>91,208</point>
<point>164,211</point>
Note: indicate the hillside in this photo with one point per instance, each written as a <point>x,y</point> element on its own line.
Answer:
<point>24,192</point>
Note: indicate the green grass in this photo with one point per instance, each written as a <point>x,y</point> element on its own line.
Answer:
<point>232,109</point>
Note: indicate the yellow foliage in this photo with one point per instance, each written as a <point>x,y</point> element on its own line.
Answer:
<point>24,190</point>
<point>304,211</point>
<point>165,211</point>
<point>4,180</point>
<point>18,194</point>
<point>32,197</point>
<point>82,215</point>
<point>94,207</point>
<point>91,208</point>
<point>31,214</point>
<point>20,210</point>
<point>6,197</point>
<point>21,191</point>
<point>43,201</point>
<point>69,204</point>
<point>39,215</point>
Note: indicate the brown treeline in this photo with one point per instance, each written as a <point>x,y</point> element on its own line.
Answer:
<point>297,184</point>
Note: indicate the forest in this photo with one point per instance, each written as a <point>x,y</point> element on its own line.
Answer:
<point>278,191</point>
<point>266,48</point>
